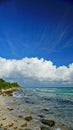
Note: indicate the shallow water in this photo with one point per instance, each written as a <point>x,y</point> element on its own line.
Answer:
<point>51,103</point>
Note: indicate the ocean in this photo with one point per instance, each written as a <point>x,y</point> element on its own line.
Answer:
<point>52,103</point>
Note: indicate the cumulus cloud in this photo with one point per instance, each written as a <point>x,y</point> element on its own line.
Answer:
<point>35,69</point>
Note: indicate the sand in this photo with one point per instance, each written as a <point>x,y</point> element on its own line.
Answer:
<point>6,119</point>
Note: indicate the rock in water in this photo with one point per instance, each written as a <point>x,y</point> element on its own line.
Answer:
<point>44,128</point>
<point>28,118</point>
<point>48,122</point>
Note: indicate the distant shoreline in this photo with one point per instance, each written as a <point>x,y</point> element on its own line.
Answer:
<point>7,87</point>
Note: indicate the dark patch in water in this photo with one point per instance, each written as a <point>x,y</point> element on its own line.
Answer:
<point>48,99</point>
<point>64,102</point>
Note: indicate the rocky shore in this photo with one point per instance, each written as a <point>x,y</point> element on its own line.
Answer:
<point>9,91</point>
<point>13,118</point>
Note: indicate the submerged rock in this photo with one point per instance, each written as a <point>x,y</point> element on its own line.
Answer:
<point>24,125</point>
<point>20,116</point>
<point>10,109</point>
<point>28,118</point>
<point>44,128</point>
<point>41,116</point>
<point>48,122</point>
<point>46,110</point>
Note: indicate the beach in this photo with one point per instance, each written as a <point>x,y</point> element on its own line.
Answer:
<point>22,113</point>
<point>9,121</point>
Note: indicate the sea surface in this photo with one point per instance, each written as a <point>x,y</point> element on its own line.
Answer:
<point>52,103</point>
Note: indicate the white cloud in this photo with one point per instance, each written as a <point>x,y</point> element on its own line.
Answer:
<point>35,69</point>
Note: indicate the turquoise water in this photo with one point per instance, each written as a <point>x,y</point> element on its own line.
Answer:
<point>52,103</point>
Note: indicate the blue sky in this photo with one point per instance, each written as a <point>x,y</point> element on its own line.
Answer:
<point>37,28</point>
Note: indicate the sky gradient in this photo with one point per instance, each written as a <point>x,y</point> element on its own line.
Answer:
<point>35,28</point>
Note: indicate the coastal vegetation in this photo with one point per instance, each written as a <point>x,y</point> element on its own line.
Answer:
<point>4,85</point>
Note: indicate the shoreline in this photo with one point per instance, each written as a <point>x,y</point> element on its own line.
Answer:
<point>9,121</point>
<point>15,117</point>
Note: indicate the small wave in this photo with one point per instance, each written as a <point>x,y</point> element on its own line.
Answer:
<point>45,90</point>
<point>17,95</point>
